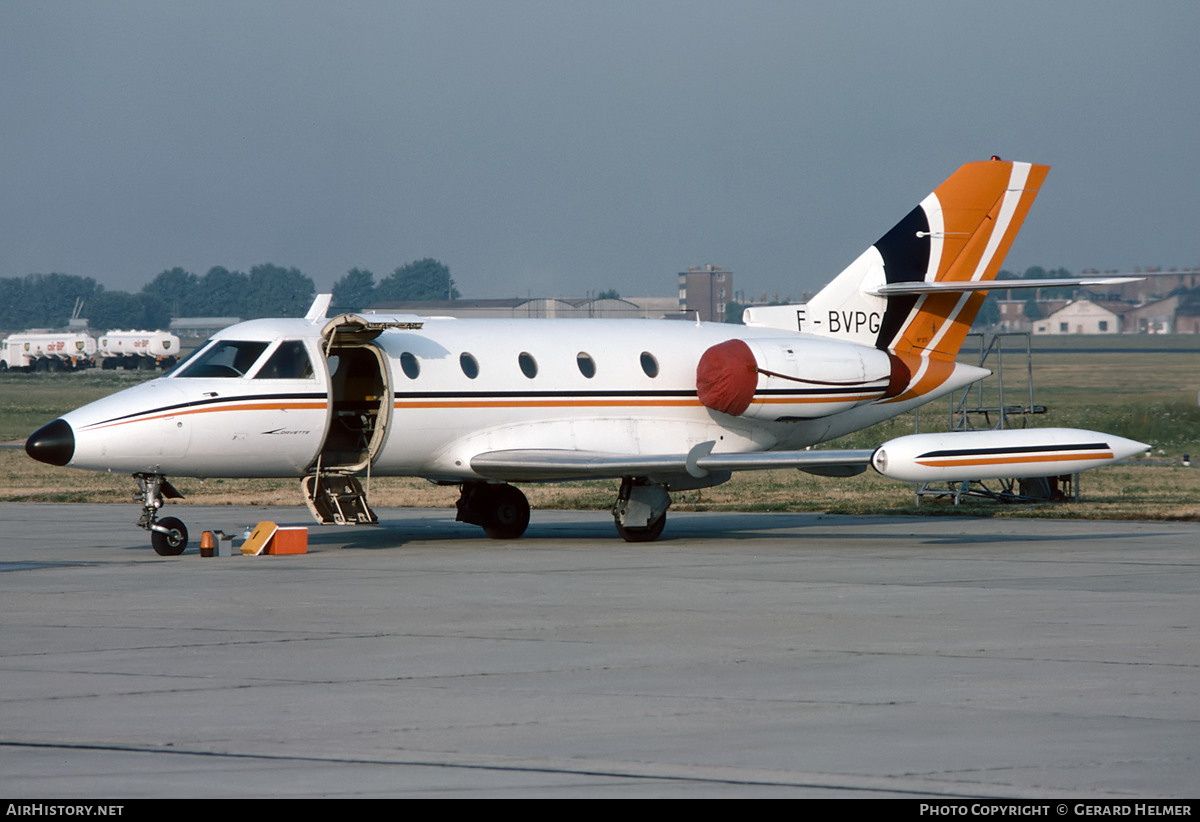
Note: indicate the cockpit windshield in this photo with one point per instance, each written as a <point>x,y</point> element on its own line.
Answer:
<point>224,358</point>
<point>289,362</point>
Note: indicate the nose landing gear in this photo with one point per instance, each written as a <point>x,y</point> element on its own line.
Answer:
<point>169,535</point>
<point>171,540</point>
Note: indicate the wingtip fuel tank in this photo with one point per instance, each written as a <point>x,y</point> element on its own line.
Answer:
<point>967,455</point>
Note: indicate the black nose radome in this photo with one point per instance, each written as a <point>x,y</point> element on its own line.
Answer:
<point>53,444</point>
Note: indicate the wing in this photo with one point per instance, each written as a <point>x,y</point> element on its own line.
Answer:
<point>950,456</point>
<point>542,465</point>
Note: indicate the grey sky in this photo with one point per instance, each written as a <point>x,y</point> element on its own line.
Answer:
<point>552,148</point>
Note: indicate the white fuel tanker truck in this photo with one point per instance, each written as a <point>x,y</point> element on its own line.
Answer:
<point>46,351</point>
<point>137,350</point>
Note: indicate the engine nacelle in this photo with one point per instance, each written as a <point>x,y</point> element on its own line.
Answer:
<point>795,379</point>
<point>959,456</point>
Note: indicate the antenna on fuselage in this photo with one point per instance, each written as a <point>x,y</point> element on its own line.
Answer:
<point>319,308</point>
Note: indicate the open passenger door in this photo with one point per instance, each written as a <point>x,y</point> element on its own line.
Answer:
<point>360,394</point>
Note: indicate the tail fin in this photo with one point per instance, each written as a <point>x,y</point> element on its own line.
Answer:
<point>917,290</point>
<point>973,219</point>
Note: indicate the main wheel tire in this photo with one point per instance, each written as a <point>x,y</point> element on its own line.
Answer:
<point>648,534</point>
<point>509,514</point>
<point>170,544</point>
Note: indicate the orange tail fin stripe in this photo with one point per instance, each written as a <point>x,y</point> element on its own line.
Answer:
<point>974,217</point>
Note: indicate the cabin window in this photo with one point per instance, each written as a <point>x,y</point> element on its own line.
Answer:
<point>225,359</point>
<point>528,364</point>
<point>409,365</point>
<point>469,365</point>
<point>649,364</point>
<point>587,366</point>
<point>289,362</point>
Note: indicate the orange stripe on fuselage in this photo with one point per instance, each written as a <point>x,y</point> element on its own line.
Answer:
<point>622,403</point>
<point>403,404</point>
<point>272,406</point>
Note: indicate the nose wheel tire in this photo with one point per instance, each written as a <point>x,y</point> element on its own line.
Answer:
<point>172,543</point>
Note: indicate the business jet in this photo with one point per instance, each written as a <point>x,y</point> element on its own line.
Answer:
<point>661,405</point>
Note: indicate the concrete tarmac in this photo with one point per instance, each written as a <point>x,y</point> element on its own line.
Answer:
<point>743,655</point>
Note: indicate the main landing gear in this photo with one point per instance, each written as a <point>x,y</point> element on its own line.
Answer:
<point>502,510</point>
<point>640,512</point>
<point>168,535</point>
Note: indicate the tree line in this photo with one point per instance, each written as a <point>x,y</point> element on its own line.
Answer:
<point>268,290</point>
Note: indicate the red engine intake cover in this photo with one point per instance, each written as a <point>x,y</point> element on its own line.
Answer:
<point>726,377</point>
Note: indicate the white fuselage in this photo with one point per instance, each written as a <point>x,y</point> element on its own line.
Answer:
<point>457,388</point>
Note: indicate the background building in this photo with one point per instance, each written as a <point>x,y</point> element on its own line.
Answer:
<point>1083,317</point>
<point>1159,303</point>
<point>705,290</point>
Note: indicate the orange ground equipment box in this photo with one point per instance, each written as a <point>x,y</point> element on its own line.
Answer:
<point>293,540</point>
<point>269,538</point>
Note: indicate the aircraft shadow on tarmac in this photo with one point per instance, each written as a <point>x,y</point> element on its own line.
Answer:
<point>426,526</point>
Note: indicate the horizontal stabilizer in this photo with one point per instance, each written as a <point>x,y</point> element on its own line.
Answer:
<point>899,289</point>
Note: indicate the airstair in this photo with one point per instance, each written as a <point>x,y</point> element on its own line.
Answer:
<point>336,498</point>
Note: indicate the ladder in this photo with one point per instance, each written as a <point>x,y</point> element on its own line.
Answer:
<point>337,499</point>
<point>987,401</point>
